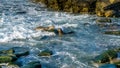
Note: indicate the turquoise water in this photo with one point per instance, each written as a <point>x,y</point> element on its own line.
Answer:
<point>19,18</point>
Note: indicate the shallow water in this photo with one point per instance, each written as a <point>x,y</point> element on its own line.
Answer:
<point>18,18</point>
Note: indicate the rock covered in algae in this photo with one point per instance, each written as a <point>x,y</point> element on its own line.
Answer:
<point>45,53</point>
<point>112,32</point>
<point>12,54</point>
<point>107,57</point>
<point>7,56</point>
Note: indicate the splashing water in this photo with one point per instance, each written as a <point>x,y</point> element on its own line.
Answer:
<point>19,18</point>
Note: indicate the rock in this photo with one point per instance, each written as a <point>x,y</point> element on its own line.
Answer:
<point>45,53</point>
<point>108,66</point>
<point>103,20</point>
<point>20,51</point>
<point>105,8</point>
<point>109,13</point>
<point>21,12</point>
<point>11,66</point>
<point>107,56</point>
<point>8,52</point>
<point>73,6</point>
<point>5,59</point>
<point>7,56</point>
<point>34,64</point>
<point>108,8</point>
<point>112,32</point>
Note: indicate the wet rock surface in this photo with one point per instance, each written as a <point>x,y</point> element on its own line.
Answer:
<point>8,57</point>
<point>73,6</point>
<point>34,64</point>
<point>108,8</point>
<point>21,51</point>
<point>45,53</point>
<point>107,59</point>
<point>104,8</point>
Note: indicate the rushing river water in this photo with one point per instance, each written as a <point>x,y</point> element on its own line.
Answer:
<point>19,18</point>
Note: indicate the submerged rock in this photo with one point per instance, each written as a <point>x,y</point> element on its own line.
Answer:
<point>12,54</point>
<point>109,56</point>
<point>34,64</point>
<point>7,56</point>
<point>21,12</point>
<point>45,53</point>
<point>108,66</point>
<point>103,20</point>
<point>21,51</point>
<point>112,32</point>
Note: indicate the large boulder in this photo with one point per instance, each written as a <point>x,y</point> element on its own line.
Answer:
<point>108,8</point>
<point>105,8</point>
<point>73,6</point>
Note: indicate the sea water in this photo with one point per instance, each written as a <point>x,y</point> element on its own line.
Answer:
<point>19,18</point>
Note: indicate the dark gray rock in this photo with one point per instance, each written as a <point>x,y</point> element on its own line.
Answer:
<point>34,64</point>
<point>21,51</point>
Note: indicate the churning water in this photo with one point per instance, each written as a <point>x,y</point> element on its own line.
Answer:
<point>19,18</point>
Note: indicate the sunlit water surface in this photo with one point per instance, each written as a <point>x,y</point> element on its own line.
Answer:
<point>19,18</point>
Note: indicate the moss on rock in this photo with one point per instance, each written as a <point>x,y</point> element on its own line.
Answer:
<point>45,53</point>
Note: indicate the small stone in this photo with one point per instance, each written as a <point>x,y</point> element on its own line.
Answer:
<point>45,53</point>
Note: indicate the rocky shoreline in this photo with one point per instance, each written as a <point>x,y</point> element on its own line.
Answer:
<point>9,57</point>
<point>102,8</point>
